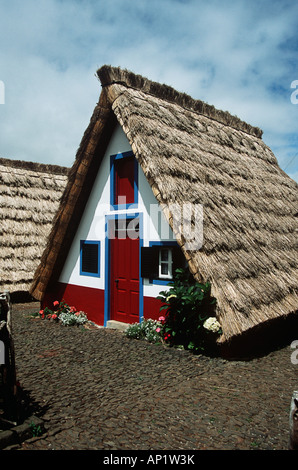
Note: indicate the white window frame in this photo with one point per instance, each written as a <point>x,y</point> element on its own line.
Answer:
<point>169,264</point>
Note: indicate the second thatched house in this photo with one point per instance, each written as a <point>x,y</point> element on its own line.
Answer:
<point>30,194</point>
<point>148,147</point>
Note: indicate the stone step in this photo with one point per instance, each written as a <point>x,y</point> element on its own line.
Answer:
<point>117,325</point>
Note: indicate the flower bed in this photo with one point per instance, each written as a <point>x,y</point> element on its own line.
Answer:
<point>148,330</point>
<point>64,314</point>
<point>189,319</point>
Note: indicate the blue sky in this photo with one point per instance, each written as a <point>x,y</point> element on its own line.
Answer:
<point>237,55</point>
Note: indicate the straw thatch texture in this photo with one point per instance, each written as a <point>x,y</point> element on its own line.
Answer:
<point>29,198</point>
<point>192,153</point>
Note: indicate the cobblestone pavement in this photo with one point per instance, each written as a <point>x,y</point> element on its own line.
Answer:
<point>96,389</point>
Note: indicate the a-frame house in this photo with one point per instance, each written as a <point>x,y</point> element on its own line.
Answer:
<point>149,155</point>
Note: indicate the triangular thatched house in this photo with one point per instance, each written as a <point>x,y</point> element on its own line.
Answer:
<point>29,198</point>
<point>152,145</point>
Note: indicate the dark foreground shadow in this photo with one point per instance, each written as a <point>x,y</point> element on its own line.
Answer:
<point>262,340</point>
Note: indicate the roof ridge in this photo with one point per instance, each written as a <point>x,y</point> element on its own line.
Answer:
<point>109,75</point>
<point>34,166</point>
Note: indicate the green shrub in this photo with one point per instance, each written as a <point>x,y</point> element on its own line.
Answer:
<point>189,313</point>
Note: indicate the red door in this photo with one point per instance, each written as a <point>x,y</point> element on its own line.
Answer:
<point>124,269</point>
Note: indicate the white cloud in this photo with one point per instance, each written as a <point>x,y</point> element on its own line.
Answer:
<point>238,56</point>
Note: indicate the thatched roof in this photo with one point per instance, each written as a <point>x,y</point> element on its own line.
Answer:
<point>29,198</point>
<point>191,152</point>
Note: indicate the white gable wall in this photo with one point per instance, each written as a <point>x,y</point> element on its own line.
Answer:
<point>92,224</point>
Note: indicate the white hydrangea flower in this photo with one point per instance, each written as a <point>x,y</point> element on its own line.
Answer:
<point>212,324</point>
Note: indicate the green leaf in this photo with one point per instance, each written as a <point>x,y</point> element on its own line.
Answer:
<point>164,307</point>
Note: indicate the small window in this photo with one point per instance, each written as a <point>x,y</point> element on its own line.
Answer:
<point>124,180</point>
<point>165,263</point>
<point>160,260</point>
<point>90,258</point>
